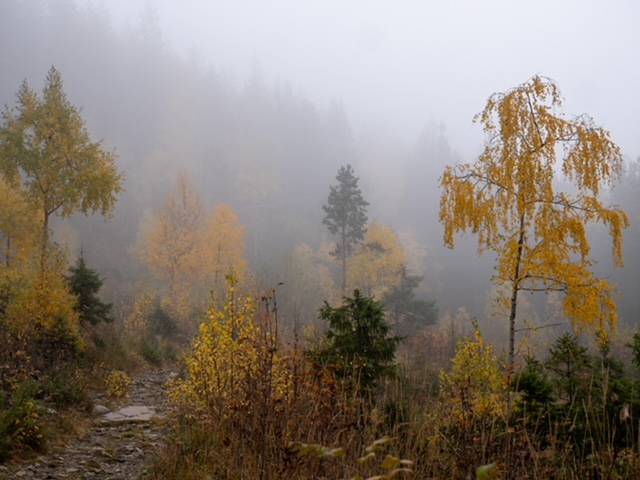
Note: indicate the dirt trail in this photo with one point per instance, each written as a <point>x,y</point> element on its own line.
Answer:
<point>118,446</point>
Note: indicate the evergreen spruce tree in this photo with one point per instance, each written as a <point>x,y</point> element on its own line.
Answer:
<point>85,283</point>
<point>407,313</point>
<point>346,216</point>
<point>570,366</point>
<point>536,392</point>
<point>358,343</point>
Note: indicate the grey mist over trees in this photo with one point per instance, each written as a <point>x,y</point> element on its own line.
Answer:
<point>261,103</point>
<point>169,203</point>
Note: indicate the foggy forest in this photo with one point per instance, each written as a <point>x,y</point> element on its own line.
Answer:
<point>327,280</point>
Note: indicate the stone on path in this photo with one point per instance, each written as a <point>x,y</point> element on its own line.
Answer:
<point>101,410</point>
<point>132,413</point>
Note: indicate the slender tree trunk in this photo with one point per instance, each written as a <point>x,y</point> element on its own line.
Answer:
<point>571,386</point>
<point>512,317</point>
<point>344,262</point>
<point>7,260</point>
<point>217,266</point>
<point>514,300</point>
<point>45,242</point>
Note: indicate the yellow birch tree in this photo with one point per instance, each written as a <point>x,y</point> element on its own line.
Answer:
<point>508,199</point>
<point>45,146</point>
<point>174,248</point>
<point>224,248</point>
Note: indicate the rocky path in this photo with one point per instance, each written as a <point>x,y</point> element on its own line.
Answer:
<point>118,446</point>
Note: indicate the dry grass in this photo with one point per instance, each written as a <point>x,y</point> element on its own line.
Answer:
<point>260,442</point>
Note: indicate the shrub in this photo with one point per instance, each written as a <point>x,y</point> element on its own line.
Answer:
<point>118,384</point>
<point>20,424</point>
<point>161,323</point>
<point>475,403</point>
<point>64,385</point>
<point>236,387</point>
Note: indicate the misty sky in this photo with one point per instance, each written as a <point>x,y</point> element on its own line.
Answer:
<point>400,64</point>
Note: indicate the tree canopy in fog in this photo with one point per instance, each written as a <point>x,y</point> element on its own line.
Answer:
<point>265,134</point>
<point>509,200</point>
<point>262,103</point>
<point>45,145</point>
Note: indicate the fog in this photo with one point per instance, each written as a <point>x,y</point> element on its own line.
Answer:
<point>262,102</point>
<point>399,64</point>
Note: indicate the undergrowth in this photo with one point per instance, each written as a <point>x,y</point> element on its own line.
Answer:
<point>480,423</point>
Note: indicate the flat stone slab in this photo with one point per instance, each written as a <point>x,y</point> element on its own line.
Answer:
<point>130,414</point>
<point>100,410</point>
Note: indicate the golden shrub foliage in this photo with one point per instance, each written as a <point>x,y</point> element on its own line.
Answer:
<point>231,358</point>
<point>508,199</point>
<point>118,384</point>
<point>476,386</point>
<point>40,300</point>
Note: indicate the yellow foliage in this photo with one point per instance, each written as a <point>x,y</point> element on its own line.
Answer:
<point>47,149</point>
<point>118,384</point>
<point>232,358</point>
<point>20,225</point>
<point>175,244</point>
<point>223,247</point>
<point>136,325</point>
<point>377,263</point>
<point>175,248</point>
<point>476,385</point>
<point>508,200</point>
<point>487,472</point>
<point>26,427</point>
<point>193,257</point>
<point>40,299</point>
<point>182,306</point>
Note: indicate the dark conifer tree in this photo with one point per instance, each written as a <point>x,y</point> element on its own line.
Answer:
<point>570,366</point>
<point>407,313</point>
<point>346,216</point>
<point>85,283</point>
<point>358,342</point>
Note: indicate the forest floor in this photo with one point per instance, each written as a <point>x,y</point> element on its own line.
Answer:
<point>118,443</point>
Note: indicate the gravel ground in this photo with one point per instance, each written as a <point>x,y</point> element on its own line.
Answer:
<point>109,449</point>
